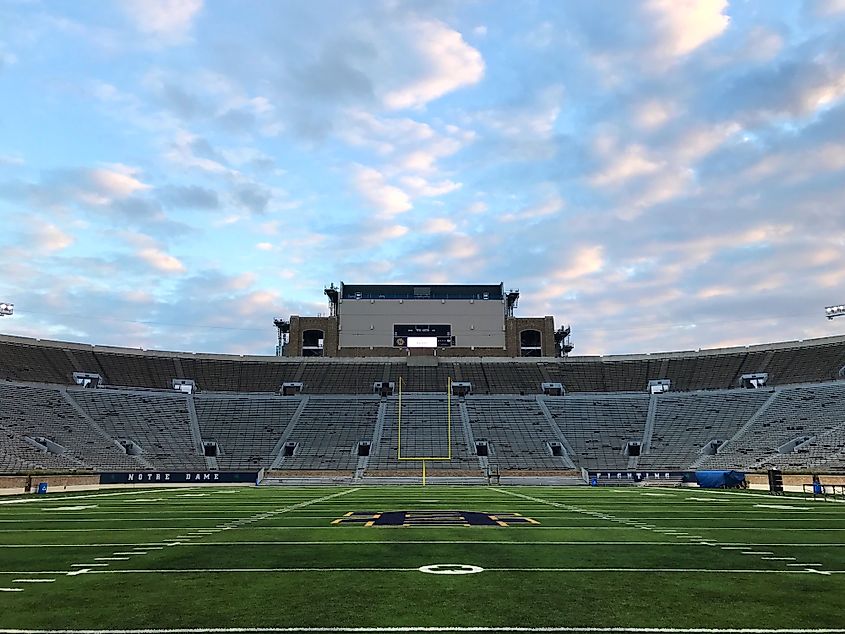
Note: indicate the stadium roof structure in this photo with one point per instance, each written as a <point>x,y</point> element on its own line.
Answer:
<point>422,291</point>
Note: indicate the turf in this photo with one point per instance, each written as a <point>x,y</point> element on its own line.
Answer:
<point>598,558</point>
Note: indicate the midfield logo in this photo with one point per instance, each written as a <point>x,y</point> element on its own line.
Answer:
<point>433,518</point>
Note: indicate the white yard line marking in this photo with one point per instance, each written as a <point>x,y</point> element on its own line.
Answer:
<point>81,571</point>
<point>190,571</point>
<point>32,580</point>
<point>804,565</point>
<point>79,507</point>
<point>11,589</point>
<point>111,558</point>
<point>782,506</point>
<point>757,552</point>
<point>79,497</point>
<point>86,565</point>
<point>778,558</point>
<point>447,628</point>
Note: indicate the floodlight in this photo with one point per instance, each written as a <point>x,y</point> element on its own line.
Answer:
<point>6,309</point>
<point>834,311</point>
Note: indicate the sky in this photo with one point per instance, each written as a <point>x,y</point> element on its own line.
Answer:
<point>659,174</point>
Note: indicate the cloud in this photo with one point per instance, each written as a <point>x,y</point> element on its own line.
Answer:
<point>49,238</point>
<point>534,120</point>
<point>372,185</point>
<point>151,253</point>
<point>445,61</point>
<point>548,207</point>
<point>252,197</point>
<point>439,225</point>
<point>189,196</point>
<point>169,21</point>
<point>684,25</point>
<point>115,181</point>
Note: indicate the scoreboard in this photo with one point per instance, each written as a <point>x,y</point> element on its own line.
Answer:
<point>423,336</point>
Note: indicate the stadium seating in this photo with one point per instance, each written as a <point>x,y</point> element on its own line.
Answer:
<point>424,434</point>
<point>245,429</point>
<point>598,428</point>
<point>517,433</point>
<point>135,420</point>
<point>23,359</point>
<point>812,412</point>
<point>43,412</point>
<point>327,434</point>
<point>685,423</point>
<point>158,423</point>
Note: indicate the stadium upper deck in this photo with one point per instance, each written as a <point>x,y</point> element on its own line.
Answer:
<point>42,361</point>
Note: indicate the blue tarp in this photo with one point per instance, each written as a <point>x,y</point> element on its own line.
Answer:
<point>716,479</point>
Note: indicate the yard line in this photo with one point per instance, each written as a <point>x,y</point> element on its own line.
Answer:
<point>32,580</point>
<point>111,558</point>
<point>11,589</point>
<point>334,528</point>
<point>80,497</point>
<point>447,628</point>
<point>168,571</point>
<point>444,541</point>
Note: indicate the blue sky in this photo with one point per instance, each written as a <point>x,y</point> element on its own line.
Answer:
<point>662,175</point>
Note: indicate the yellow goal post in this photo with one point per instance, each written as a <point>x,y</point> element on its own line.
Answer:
<point>424,459</point>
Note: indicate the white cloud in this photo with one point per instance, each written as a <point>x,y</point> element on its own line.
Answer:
<point>49,238</point>
<point>419,186</point>
<point>116,181</point>
<point>548,207</point>
<point>264,246</point>
<point>160,260</point>
<point>445,62</point>
<point>685,25</point>
<point>621,166</point>
<point>534,120</point>
<point>150,252</point>
<point>168,20</point>
<point>438,225</point>
<point>373,186</point>
<point>652,114</point>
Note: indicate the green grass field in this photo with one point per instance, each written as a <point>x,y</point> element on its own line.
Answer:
<point>597,559</point>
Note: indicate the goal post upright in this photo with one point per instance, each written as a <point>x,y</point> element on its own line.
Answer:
<point>425,459</point>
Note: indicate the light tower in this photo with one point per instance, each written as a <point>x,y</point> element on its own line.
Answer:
<point>834,311</point>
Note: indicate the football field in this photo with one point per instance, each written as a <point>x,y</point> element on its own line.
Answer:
<point>407,559</point>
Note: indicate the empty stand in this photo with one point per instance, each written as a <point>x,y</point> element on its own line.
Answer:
<point>684,423</point>
<point>328,431</point>
<point>424,434</point>
<point>517,434</point>
<point>814,412</point>
<point>34,411</point>
<point>246,429</point>
<point>599,428</point>
<point>158,423</point>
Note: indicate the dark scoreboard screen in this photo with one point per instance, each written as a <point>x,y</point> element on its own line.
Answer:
<point>423,336</point>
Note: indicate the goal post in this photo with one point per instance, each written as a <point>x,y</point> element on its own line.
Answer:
<point>424,459</point>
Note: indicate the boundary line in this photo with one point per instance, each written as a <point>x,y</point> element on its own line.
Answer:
<point>480,628</point>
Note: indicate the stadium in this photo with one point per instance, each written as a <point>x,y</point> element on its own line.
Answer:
<point>520,472</point>
<point>408,317</point>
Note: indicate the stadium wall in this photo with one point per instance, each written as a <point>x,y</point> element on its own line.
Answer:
<point>330,326</point>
